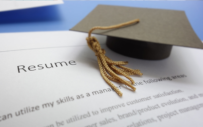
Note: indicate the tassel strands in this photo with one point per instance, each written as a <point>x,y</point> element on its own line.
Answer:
<point>111,69</point>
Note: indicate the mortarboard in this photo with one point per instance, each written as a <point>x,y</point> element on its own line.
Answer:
<point>152,38</point>
<point>140,33</point>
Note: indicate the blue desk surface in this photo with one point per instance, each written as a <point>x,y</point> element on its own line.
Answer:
<point>65,16</point>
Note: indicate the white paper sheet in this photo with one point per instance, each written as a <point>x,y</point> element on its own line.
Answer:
<point>73,94</point>
<point>7,5</point>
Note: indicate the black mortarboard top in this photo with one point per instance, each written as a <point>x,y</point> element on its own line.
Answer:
<point>152,38</point>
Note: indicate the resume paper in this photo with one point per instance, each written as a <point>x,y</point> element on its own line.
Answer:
<point>52,79</point>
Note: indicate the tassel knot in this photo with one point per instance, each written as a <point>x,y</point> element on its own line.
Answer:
<point>95,46</point>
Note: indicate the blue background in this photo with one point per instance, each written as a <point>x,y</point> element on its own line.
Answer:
<point>65,16</point>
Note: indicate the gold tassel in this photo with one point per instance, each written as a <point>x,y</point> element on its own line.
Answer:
<point>111,69</point>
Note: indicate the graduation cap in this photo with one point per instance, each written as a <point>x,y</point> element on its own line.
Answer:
<point>140,33</point>
<point>152,38</point>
